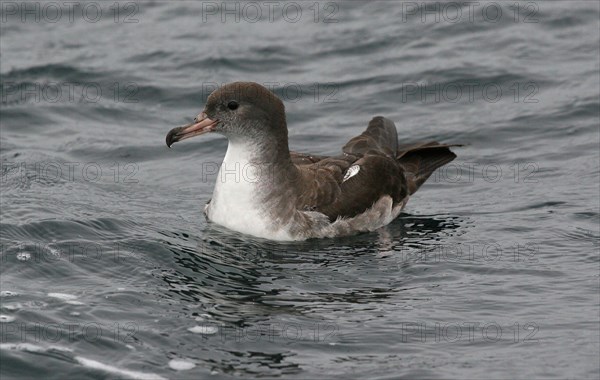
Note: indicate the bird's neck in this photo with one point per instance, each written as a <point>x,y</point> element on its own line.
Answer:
<point>267,160</point>
<point>266,149</point>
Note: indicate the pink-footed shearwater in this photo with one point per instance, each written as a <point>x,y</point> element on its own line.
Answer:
<point>265,190</point>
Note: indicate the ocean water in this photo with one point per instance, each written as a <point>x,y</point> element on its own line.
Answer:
<point>109,269</point>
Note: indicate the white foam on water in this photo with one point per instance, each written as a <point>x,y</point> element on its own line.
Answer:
<point>205,330</point>
<point>6,318</point>
<point>181,364</point>
<point>8,293</point>
<point>31,347</point>
<point>202,317</point>
<point>23,256</point>
<point>117,371</point>
<point>21,347</point>
<point>12,306</point>
<point>55,251</point>
<point>63,296</point>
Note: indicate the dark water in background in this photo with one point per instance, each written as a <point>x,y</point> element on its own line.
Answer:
<point>108,269</point>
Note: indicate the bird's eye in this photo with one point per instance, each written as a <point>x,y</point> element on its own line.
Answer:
<point>232,105</point>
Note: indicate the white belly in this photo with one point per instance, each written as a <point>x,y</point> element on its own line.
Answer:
<point>235,202</point>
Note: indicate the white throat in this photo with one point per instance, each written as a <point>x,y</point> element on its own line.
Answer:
<point>236,202</point>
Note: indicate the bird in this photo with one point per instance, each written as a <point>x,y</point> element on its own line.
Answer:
<point>265,190</point>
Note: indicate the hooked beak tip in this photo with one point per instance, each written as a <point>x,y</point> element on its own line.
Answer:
<point>198,127</point>
<point>170,140</point>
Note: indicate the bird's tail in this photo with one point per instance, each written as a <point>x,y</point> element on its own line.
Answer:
<point>420,160</point>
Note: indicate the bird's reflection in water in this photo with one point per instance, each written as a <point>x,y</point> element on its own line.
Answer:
<point>236,271</point>
<point>243,282</point>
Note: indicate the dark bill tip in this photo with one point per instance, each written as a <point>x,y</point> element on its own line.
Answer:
<point>172,136</point>
<point>201,125</point>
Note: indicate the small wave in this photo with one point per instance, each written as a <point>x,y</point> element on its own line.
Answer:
<point>116,371</point>
<point>29,347</point>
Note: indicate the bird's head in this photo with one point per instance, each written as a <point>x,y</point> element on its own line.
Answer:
<point>239,110</point>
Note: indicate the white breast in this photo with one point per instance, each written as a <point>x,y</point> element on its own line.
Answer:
<point>235,202</point>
